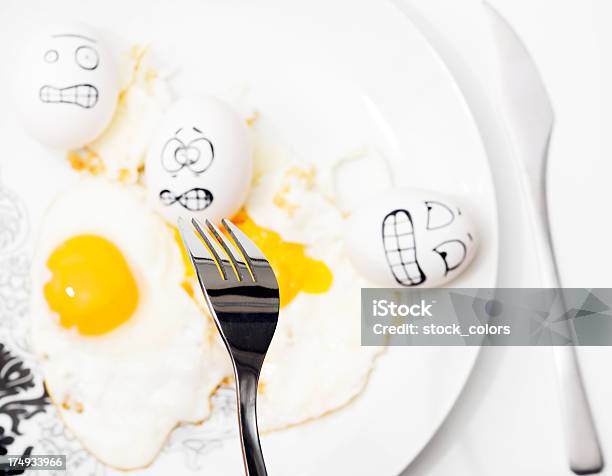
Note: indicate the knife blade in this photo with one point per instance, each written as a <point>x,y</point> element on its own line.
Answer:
<point>529,118</point>
<point>525,99</point>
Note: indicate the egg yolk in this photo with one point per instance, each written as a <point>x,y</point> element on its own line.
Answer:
<point>189,271</point>
<point>295,272</point>
<point>91,286</point>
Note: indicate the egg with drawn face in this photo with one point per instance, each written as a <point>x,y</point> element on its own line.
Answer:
<point>410,238</point>
<point>200,163</point>
<point>68,86</point>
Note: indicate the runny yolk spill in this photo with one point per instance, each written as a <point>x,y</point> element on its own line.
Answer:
<point>85,159</point>
<point>91,286</point>
<point>189,271</point>
<point>295,272</point>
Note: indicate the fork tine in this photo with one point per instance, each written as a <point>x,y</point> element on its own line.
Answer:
<point>258,264</point>
<point>238,262</point>
<point>217,251</point>
<point>196,249</point>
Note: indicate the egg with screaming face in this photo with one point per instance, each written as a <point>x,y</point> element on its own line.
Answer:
<point>68,86</point>
<point>125,352</point>
<point>200,163</point>
<point>411,238</point>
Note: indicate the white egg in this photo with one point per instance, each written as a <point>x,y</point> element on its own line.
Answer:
<point>67,87</point>
<point>121,386</point>
<point>200,163</point>
<point>411,238</point>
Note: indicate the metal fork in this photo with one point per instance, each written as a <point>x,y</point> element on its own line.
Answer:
<point>242,294</point>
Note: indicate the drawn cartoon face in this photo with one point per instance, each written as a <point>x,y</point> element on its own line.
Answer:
<point>68,86</point>
<point>200,163</point>
<point>191,151</point>
<point>83,94</point>
<point>187,149</point>
<point>419,240</point>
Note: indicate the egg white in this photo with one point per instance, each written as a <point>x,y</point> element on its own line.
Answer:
<point>122,392</point>
<point>316,363</point>
<point>144,98</point>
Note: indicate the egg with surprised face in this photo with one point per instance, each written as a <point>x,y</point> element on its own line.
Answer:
<point>411,238</point>
<point>68,86</point>
<point>200,163</point>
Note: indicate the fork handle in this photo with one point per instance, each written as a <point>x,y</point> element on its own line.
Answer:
<point>247,378</point>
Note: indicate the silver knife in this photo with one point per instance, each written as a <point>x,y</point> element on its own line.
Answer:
<point>529,118</point>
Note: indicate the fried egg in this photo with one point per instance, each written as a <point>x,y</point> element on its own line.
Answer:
<point>119,152</point>
<point>316,363</point>
<point>126,352</point>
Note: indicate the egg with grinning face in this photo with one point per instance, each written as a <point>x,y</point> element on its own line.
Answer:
<point>126,353</point>
<point>409,237</point>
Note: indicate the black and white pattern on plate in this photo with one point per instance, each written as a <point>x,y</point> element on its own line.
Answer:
<point>13,222</point>
<point>15,301</point>
<point>14,271</point>
<point>22,397</point>
<point>29,424</point>
<point>400,248</point>
<point>55,439</point>
<point>194,442</point>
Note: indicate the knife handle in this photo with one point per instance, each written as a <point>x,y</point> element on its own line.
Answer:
<point>582,443</point>
<point>580,434</point>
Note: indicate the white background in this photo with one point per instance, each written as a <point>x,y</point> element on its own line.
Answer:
<point>507,421</point>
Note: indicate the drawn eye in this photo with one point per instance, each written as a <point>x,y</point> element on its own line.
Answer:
<point>452,252</point>
<point>51,56</point>
<point>86,57</point>
<point>438,215</point>
<point>204,157</point>
<point>173,156</point>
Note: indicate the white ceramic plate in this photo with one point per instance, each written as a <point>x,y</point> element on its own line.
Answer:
<point>332,77</point>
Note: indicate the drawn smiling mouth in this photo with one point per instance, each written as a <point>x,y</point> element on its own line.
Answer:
<point>83,95</point>
<point>400,248</point>
<point>196,199</point>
